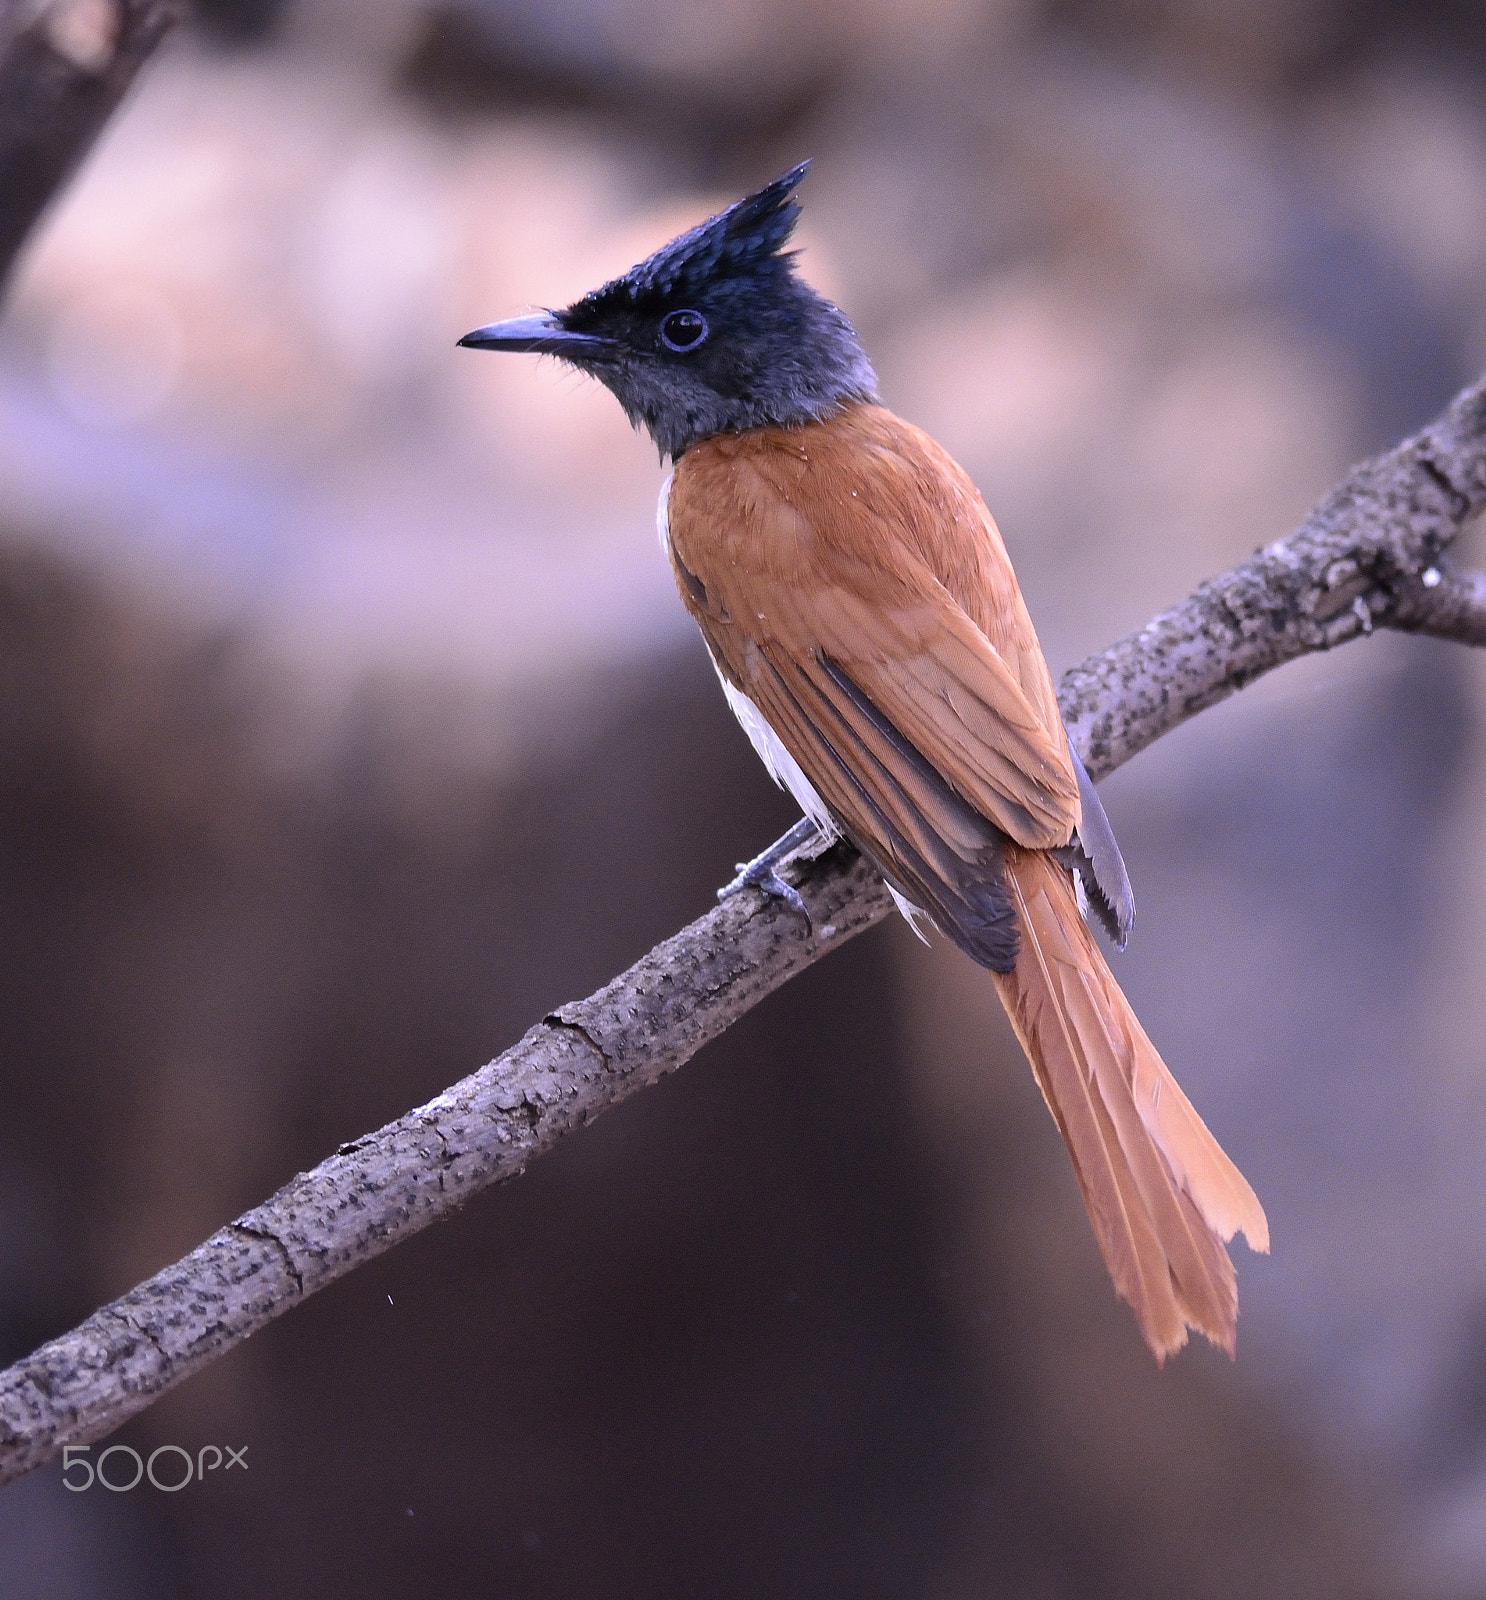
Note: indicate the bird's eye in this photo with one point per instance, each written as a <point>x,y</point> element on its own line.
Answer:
<point>683,330</point>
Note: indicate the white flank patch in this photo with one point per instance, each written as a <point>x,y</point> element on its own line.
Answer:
<point>662,517</point>
<point>911,913</point>
<point>1080,894</point>
<point>781,765</point>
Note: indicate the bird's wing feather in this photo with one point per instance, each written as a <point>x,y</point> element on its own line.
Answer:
<point>934,848</point>
<point>825,607</point>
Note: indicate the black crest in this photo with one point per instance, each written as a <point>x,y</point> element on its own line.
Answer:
<point>714,333</point>
<point>741,243</point>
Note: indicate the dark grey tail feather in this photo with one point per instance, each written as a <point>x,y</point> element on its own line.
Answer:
<point>1098,862</point>
<point>987,928</point>
<point>974,911</point>
<point>1073,858</point>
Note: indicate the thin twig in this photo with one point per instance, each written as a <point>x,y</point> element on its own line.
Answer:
<point>63,70</point>
<point>1369,556</point>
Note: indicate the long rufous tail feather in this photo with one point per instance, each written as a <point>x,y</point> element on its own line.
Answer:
<point>1162,1196</point>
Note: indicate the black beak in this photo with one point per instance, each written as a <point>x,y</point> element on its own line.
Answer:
<point>543,334</point>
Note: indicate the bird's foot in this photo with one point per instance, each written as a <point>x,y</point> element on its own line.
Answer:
<point>761,873</point>
<point>752,875</point>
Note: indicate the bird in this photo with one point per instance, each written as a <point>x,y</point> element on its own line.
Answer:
<point>862,614</point>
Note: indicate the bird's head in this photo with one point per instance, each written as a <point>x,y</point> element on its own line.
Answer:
<point>712,334</point>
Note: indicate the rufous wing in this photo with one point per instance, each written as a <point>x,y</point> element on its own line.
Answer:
<point>812,584</point>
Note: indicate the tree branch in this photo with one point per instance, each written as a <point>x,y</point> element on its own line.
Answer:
<point>1369,556</point>
<point>1362,559</point>
<point>63,70</point>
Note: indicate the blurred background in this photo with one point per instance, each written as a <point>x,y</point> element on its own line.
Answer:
<point>349,722</point>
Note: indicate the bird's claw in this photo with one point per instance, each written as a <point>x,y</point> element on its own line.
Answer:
<point>761,875</point>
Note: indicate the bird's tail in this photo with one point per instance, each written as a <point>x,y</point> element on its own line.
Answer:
<point>1161,1194</point>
